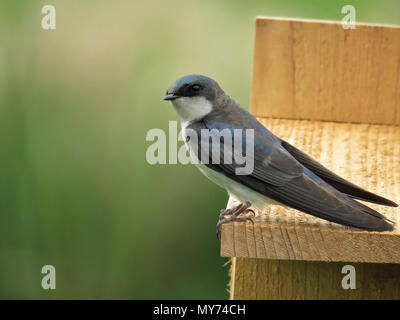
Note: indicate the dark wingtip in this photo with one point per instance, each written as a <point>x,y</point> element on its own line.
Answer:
<point>390,203</point>
<point>370,197</point>
<point>387,227</point>
<point>384,225</point>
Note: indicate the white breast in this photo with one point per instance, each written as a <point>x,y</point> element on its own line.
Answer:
<point>191,108</point>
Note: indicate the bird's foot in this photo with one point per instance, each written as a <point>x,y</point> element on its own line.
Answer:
<point>226,212</point>
<point>234,212</point>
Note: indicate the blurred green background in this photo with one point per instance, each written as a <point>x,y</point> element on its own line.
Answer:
<point>75,106</point>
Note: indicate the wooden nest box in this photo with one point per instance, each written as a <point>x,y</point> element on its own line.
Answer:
<point>335,94</point>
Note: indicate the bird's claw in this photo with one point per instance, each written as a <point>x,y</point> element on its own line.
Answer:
<point>235,212</point>
<point>251,211</point>
<point>225,212</point>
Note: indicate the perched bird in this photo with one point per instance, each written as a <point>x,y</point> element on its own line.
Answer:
<point>282,174</point>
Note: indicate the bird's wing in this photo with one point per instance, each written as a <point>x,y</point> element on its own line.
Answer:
<point>333,179</point>
<point>272,163</point>
<point>279,176</point>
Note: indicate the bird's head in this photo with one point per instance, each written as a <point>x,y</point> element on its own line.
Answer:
<point>193,96</point>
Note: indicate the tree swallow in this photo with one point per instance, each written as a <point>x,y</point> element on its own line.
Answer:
<point>282,174</point>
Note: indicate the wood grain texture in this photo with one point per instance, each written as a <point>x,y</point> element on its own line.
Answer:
<point>278,279</point>
<point>367,155</point>
<point>347,82</point>
<point>316,70</point>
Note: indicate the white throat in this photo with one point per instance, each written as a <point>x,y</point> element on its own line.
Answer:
<point>190,109</point>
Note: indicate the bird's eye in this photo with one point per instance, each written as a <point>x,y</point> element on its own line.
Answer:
<point>195,87</point>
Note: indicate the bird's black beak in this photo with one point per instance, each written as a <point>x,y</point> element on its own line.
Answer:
<point>170,97</point>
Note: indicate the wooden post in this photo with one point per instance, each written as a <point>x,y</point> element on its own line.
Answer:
<point>285,279</point>
<point>335,94</point>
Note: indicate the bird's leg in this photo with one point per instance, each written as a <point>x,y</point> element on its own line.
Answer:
<point>225,212</point>
<point>235,212</point>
